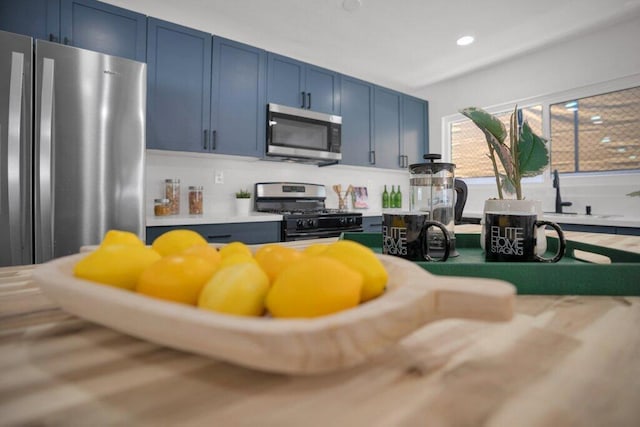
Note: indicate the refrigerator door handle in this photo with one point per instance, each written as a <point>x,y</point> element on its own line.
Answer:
<point>16,220</point>
<point>45,167</point>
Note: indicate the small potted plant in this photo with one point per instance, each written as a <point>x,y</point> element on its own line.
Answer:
<point>243,202</point>
<point>523,154</point>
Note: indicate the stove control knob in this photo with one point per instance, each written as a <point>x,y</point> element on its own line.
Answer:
<point>351,220</point>
<point>300,223</point>
<point>342,220</point>
<point>310,223</point>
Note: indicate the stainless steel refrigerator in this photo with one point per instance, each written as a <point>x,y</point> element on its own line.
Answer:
<point>72,134</point>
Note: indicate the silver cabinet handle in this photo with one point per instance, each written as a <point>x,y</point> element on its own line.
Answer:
<point>304,98</point>
<point>372,157</point>
<point>16,220</point>
<point>44,199</point>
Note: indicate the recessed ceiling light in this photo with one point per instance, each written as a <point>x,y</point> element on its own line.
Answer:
<point>605,140</point>
<point>465,40</point>
<point>595,118</point>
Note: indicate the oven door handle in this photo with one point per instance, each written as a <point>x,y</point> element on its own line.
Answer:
<point>321,234</point>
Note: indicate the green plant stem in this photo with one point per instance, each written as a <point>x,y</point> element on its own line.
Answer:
<point>495,171</point>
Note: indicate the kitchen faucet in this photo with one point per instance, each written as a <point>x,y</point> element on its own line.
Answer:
<point>556,185</point>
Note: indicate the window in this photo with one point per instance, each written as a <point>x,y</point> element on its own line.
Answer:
<point>469,151</point>
<point>596,133</point>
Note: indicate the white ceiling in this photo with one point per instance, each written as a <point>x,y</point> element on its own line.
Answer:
<point>402,44</point>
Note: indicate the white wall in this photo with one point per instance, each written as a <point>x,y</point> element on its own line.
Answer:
<point>603,59</point>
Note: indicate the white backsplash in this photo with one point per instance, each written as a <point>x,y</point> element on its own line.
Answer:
<point>243,172</point>
<point>605,194</point>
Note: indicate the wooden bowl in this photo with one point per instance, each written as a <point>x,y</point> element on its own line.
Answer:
<point>413,298</point>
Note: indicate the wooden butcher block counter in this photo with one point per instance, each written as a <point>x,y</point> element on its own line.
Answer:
<point>561,360</point>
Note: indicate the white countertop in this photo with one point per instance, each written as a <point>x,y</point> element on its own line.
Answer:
<point>210,219</point>
<point>582,219</point>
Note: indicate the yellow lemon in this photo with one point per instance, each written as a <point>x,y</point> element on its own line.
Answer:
<point>120,237</point>
<point>175,241</point>
<point>275,258</point>
<point>363,260</point>
<point>234,248</point>
<point>207,252</point>
<point>116,265</point>
<point>315,249</point>
<point>314,286</point>
<point>236,258</point>
<point>237,289</point>
<point>178,278</point>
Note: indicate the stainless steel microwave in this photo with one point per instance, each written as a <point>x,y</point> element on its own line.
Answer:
<point>301,135</point>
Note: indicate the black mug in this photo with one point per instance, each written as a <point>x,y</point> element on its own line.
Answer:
<point>406,235</point>
<point>512,237</point>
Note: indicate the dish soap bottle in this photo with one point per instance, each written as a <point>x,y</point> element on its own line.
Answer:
<point>385,198</point>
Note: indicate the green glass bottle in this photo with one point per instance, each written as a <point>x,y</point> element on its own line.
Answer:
<point>392,197</point>
<point>385,198</point>
<point>398,198</point>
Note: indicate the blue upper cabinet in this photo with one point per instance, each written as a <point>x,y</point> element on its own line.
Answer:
<point>286,81</point>
<point>103,28</point>
<point>301,85</point>
<point>238,112</point>
<point>39,19</point>
<point>387,128</point>
<point>86,24</point>
<point>357,126</point>
<point>322,90</point>
<point>178,87</point>
<point>415,132</point>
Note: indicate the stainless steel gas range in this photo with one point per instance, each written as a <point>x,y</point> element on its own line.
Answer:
<point>302,207</point>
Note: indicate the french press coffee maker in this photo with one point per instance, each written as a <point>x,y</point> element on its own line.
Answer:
<point>434,190</point>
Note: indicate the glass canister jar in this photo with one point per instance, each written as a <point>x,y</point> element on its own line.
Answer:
<point>195,200</point>
<point>172,192</point>
<point>161,207</point>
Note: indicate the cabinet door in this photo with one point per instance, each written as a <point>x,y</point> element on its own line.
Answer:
<point>239,98</point>
<point>286,81</point>
<point>250,233</point>
<point>387,128</point>
<point>178,87</point>
<point>372,224</point>
<point>103,28</point>
<point>39,19</point>
<point>415,132</point>
<point>322,90</point>
<point>357,132</point>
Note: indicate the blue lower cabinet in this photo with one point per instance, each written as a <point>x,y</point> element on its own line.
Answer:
<point>372,224</point>
<point>246,232</point>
